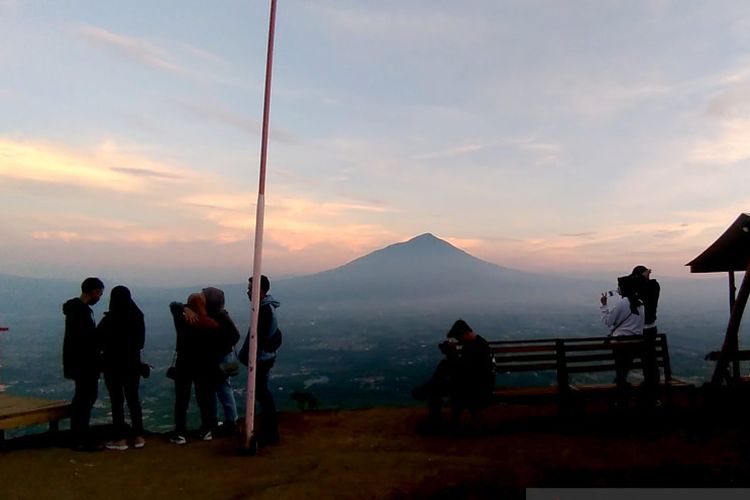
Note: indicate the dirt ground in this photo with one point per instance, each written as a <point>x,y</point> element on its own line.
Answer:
<point>376,453</point>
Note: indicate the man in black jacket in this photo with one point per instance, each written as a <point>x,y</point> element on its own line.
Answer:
<point>82,360</point>
<point>466,375</point>
<point>648,291</point>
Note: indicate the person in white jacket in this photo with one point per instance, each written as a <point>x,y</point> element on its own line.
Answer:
<point>625,319</point>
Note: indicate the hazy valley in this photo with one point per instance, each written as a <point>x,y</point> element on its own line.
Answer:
<point>365,333</point>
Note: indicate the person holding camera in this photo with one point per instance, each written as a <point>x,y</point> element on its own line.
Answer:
<point>625,319</point>
<point>466,375</point>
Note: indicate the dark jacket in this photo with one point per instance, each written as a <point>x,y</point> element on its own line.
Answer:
<point>123,336</point>
<point>196,346</point>
<point>268,326</point>
<point>81,344</point>
<point>228,334</point>
<point>474,373</point>
<point>650,297</point>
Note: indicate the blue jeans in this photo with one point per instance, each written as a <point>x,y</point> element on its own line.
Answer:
<point>225,394</point>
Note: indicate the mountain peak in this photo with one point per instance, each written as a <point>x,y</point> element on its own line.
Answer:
<point>425,237</point>
<point>426,240</point>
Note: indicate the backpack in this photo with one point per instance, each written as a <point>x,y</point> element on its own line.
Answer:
<point>273,342</point>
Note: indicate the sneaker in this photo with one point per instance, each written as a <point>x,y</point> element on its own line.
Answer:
<point>178,439</point>
<point>119,445</point>
<point>139,442</point>
<point>206,435</point>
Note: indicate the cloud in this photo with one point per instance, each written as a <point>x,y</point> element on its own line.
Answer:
<point>164,207</point>
<point>133,49</point>
<point>221,115</point>
<point>731,146</point>
<point>451,152</point>
<point>42,163</point>
<point>145,172</point>
<point>423,26</point>
<point>171,57</point>
<point>28,161</point>
<point>586,235</point>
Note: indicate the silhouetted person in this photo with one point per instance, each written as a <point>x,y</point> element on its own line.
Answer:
<point>123,333</point>
<point>624,320</point>
<point>466,375</point>
<point>648,291</point>
<point>269,337</point>
<point>195,365</point>
<point>82,360</point>
<point>227,337</point>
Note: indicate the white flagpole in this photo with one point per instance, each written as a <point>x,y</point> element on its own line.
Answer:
<point>250,442</point>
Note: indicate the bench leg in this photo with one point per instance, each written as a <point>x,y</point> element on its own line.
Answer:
<point>54,426</point>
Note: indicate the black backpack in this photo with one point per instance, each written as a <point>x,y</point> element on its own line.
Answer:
<point>273,342</point>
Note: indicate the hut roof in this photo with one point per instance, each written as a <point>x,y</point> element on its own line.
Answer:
<point>731,252</point>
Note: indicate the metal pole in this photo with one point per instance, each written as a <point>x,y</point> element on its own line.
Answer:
<point>249,441</point>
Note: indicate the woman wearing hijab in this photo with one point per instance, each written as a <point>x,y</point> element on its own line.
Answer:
<point>625,320</point>
<point>227,337</point>
<point>123,333</point>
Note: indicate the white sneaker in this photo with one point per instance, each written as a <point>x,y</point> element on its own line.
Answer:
<point>119,445</point>
<point>178,439</point>
<point>207,436</point>
<point>139,442</point>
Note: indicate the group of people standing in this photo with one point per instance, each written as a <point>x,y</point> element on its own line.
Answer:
<point>204,358</point>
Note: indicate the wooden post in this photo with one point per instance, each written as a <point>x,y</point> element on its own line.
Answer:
<point>732,291</point>
<point>731,339</point>
<point>563,379</point>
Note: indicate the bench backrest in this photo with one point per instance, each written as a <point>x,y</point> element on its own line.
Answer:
<point>572,355</point>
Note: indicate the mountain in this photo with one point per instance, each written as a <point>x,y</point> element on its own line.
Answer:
<point>426,271</point>
<point>364,333</point>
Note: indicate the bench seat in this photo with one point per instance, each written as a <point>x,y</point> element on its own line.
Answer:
<point>567,359</point>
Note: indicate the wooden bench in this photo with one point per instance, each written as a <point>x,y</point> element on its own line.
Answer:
<point>23,411</point>
<point>566,359</point>
<point>732,375</point>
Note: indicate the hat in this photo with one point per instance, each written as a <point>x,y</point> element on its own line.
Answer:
<point>459,328</point>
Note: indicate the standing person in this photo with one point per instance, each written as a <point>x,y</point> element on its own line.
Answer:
<point>82,360</point>
<point>123,333</point>
<point>269,340</point>
<point>228,336</point>
<point>195,364</point>
<point>466,375</point>
<point>625,320</point>
<point>648,291</point>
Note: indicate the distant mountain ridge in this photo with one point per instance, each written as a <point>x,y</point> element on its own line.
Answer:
<point>425,271</point>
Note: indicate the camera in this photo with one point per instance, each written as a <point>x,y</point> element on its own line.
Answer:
<point>447,347</point>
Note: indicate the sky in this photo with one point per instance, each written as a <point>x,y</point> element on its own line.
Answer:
<point>547,136</point>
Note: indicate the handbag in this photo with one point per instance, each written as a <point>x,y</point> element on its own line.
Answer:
<point>230,365</point>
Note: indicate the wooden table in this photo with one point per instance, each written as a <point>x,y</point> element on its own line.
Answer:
<point>22,411</point>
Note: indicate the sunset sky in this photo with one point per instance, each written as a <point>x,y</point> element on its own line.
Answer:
<point>565,136</point>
